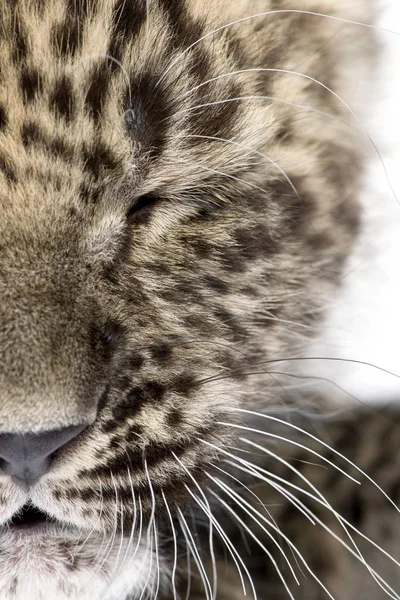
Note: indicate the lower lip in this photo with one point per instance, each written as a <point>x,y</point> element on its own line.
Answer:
<point>28,529</point>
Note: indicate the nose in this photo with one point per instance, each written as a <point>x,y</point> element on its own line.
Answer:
<point>28,456</point>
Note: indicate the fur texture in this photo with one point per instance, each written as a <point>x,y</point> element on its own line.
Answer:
<point>177,202</point>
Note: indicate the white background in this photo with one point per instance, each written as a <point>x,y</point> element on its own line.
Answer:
<point>364,324</point>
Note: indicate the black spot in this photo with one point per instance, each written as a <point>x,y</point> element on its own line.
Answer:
<point>184,384</point>
<point>67,36</point>
<point>62,98</point>
<point>112,333</point>
<point>3,118</point>
<point>254,242</point>
<point>8,169</point>
<point>124,383</point>
<point>239,332</point>
<point>216,284</point>
<point>154,390</point>
<point>31,134</point>
<point>162,353</point>
<point>127,18</point>
<point>20,43</point>
<point>134,433</point>
<point>98,87</point>
<point>122,412</point>
<point>89,193</point>
<point>198,321</point>
<point>135,362</point>
<point>60,148</point>
<point>31,83</point>
<point>185,30</point>
<point>201,247</point>
<point>218,120</point>
<point>232,260</point>
<point>151,110</point>
<point>174,418</point>
<point>99,156</point>
<point>150,392</point>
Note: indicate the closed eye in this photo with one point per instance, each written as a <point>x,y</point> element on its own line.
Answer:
<point>139,210</point>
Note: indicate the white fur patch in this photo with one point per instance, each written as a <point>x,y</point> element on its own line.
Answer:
<point>55,564</point>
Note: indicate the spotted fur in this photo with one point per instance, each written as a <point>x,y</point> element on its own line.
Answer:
<point>175,209</point>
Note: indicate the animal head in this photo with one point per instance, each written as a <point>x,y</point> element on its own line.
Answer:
<point>169,218</point>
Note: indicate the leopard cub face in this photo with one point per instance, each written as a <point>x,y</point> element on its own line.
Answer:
<point>167,224</point>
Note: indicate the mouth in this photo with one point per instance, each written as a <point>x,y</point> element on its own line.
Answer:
<point>30,518</point>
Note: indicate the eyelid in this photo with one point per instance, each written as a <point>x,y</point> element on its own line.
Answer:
<point>141,205</point>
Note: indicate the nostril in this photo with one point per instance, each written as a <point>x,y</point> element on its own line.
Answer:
<point>28,456</point>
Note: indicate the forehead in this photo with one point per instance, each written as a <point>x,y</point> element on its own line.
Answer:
<point>92,92</point>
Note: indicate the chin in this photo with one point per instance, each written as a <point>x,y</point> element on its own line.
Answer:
<point>47,561</point>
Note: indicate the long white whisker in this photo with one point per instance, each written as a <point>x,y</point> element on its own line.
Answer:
<point>289,441</point>
<point>265,14</point>
<point>384,585</point>
<point>149,552</point>
<point>273,561</point>
<point>157,561</point>
<point>241,461</point>
<point>232,550</point>
<point>259,501</point>
<point>188,570</point>
<point>250,151</point>
<point>247,467</point>
<point>242,504</point>
<point>306,107</point>
<point>269,534</point>
<point>189,538</point>
<point>173,576</point>
<point>133,527</point>
<point>211,520</point>
<point>322,500</point>
<point>253,470</point>
<point>233,177</point>
<point>140,531</point>
<point>315,438</point>
<point>112,541</point>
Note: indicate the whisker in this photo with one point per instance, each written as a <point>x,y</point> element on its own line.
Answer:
<point>320,499</point>
<point>140,530</point>
<point>269,534</point>
<point>112,540</point>
<point>174,567</point>
<point>231,548</point>
<point>315,438</point>
<point>210,516</point>
<point>157,561</point>
<point>265,14</point>
<point>304,509</point>
<point>233,177</point>
<point>306,107</point>
<point>149,552</point>
<point>289,441</point>
<point>251,151</point>
<point>188,570</point>
<point>240,501</point>
<point>133,527</point>
<point>230,509</point>
<point>189,538</point>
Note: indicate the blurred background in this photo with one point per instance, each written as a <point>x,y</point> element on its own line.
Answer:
<point>364,322</point>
